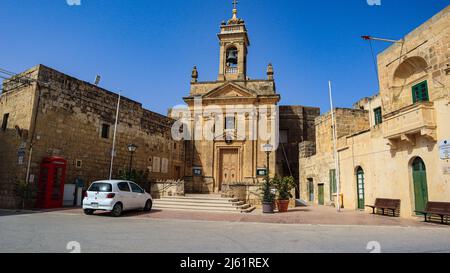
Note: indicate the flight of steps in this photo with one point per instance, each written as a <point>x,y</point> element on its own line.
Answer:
<point>202,202</point>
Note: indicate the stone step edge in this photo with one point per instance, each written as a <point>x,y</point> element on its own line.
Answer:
<point>201,210</point>
<point>249,209</point>
<point>195,204</point>
<point>196,201</point>
<point>196,208</point>
<point>200,198</point>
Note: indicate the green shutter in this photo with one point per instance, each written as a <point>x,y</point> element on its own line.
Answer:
<point>378,116</point>
<point>420,92</point>
<point>311,190</point>
<point>321,194</point>
<point>333,187</point>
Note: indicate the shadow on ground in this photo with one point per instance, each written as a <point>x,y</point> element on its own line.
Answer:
<point>313,215</point>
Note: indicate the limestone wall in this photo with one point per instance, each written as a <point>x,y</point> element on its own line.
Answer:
<point>385,152</point>
<point>369,104</point>
<point>425,55</point>
<point>74,111</point>
<point>69,122</point>
<point>316,166</point>
<point>316,169</point>
<point>297,122</point>
<point>349,121</point>
<point>17,101</point>
<point>388,173</point>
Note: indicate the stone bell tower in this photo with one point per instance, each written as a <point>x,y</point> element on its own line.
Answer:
<point>233,48</point>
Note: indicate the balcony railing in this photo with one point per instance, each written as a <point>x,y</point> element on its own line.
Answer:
<point>415,119</point>
<point>232,29</point>
<point>231,70</point>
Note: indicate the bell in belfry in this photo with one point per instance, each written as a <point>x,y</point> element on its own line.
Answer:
<point>232,58</point>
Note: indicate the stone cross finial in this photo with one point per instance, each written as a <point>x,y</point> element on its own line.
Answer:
<point>235,2</point>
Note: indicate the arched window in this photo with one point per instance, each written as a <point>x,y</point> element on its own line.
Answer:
<point>360,187</point>
<point>232,57</point>
<point>413,71</point>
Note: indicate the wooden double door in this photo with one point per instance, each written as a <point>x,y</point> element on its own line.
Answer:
<point>229,167</point>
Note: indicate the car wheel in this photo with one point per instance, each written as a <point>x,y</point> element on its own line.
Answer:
<point>117,210</point>
<point>89,211</point>
<point>148,205</point>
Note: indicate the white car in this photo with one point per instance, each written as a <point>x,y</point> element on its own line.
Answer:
<point>116,196</point>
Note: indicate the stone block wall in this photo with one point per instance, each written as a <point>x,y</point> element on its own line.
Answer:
<point>425,55</point>
<point>298,124</point>
<point>307,149</point>
<point>349,121</point>
<point>69,120</point>
<point>17,102</point>
<point>316,158</point>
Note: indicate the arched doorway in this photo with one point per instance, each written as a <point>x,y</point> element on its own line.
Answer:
<point>360,187</point>
<point>419,174</point>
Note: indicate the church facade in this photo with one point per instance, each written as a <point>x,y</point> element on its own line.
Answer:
<point>234,124</point>
<point>236,133</point>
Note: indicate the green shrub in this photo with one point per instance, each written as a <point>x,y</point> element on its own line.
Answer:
<point>284,187</point>
<point>267,195</point>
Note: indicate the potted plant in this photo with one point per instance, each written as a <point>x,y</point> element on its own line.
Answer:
<point>268,197</point>
<point>284,188</point>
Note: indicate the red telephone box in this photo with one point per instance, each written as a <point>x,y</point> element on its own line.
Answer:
<point>51,183</point>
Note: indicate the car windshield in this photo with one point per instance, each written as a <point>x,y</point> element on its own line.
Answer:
<point>101,187</point>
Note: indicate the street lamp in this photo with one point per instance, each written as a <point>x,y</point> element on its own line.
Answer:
<point>268,148</point>
<point>131,149</point>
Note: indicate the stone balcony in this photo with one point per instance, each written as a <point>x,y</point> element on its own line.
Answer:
<point>409,122</point>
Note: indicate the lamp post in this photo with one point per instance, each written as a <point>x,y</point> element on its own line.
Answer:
<point>267,148</point>
<point>131,149</point>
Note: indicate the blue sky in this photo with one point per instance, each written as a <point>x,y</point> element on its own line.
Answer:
<point>146,49</point>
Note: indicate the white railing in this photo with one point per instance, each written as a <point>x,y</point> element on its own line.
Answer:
<point>231,70</point>
<point>231,29</point>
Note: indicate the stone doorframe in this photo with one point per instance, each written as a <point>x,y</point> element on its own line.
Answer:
<point>217,151</point>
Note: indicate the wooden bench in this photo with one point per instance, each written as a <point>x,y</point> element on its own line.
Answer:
<point>441,209</point>
<point>386,204</point>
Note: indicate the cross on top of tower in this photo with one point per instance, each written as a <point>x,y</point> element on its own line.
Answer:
<point>234,19</point>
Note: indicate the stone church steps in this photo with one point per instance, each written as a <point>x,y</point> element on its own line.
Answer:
<point>199,200</point>
<point>205,203</point>
<point>194,204</point>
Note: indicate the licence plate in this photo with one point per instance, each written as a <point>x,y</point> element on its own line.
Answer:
<point>94,205</point>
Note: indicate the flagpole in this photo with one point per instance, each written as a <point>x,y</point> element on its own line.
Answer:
<point>113,151</point>
<point>336,155</point>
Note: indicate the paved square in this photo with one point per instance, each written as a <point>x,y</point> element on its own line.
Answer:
<point>174,231</point>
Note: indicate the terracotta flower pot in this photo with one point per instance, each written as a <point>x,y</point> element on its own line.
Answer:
<point>268,207</point>
<point>283,205</point>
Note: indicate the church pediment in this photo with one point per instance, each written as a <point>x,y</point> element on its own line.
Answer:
<point>230,90</point>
